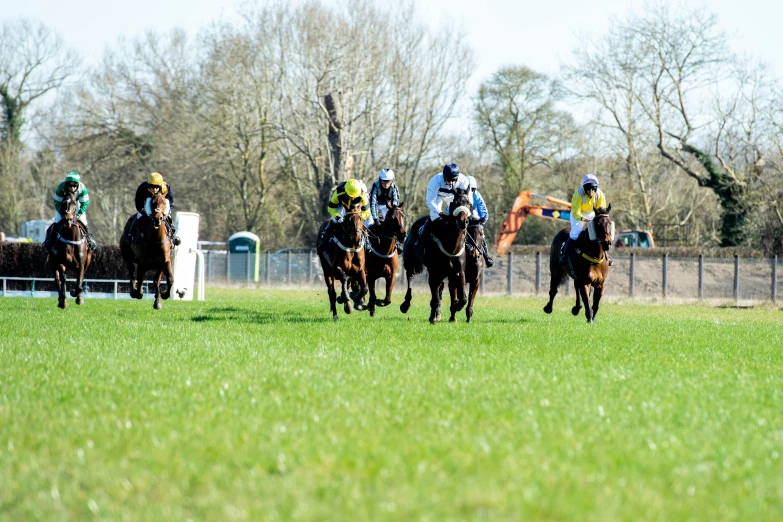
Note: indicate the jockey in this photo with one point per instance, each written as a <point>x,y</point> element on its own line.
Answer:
<point>440,193</point>
<point>480,213</point>
<point>584,202</point>
<point>344,196</point>
<point>72,185</point>
<point>382,192</point>
<point>144,194</point>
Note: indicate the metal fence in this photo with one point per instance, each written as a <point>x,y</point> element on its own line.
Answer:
<point>631,277</point>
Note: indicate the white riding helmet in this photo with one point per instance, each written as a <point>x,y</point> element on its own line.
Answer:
<point>386,175</point>
<point>472,182</point>
<point>590,179</point>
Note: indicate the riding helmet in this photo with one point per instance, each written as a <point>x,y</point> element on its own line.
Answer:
<point>472,182</point>
<point>155,179</point>
<point>451,172</point>
<point>386,175</point>
<point>353,188</point>
<point>590,181</point>
<point>72,177</point>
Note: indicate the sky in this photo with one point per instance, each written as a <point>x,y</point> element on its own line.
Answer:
<point>534,33</point>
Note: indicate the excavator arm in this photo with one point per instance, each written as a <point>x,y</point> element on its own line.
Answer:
<point>521,209</point>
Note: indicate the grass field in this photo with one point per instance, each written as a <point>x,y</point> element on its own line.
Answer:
<point>255,405</point>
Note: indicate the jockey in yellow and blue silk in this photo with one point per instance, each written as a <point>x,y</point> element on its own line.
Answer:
<point>585,201</point>
<point>346,195</point>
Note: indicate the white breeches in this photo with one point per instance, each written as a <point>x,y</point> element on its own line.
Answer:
<point>578,225</point>
<point>58,217</point>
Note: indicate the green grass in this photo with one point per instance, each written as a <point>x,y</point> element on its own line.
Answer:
<point>255,405</point>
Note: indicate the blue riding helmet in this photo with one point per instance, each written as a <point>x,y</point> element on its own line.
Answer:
<point>451,172</point>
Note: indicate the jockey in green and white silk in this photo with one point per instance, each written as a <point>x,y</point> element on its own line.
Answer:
<point>72,185</point>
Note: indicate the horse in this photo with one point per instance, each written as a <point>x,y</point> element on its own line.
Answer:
<point>153,252</point>
<point>69,251</point>
<point>474,266</point>
<point>343,259</point>
<point>590,263</point>
<point>382,260</point>
<point>444,256</point>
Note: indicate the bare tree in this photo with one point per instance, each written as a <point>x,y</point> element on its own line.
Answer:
<point>33,62</point>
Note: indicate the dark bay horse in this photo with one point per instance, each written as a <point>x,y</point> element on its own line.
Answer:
<point>152,252</point>
<point>382,260</point>
<point>474,266</point>
<point>590,262</point>
<point>343,259</point>
<point>444,256</point>
<point>69,251</point>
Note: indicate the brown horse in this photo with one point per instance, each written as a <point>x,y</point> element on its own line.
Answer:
<point>444,256</point>
<point>343,259</point>
<point>590,263</point>
<point>69,251</point>
<point>382,261</point>
<point>153,252</point>
<point>474,266</point>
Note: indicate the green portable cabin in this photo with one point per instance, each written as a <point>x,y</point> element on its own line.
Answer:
<point>245,257</point>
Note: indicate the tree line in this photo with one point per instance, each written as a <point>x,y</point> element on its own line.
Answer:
<point>253,122</point>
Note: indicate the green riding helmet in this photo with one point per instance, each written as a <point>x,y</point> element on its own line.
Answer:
<point>73,177</point>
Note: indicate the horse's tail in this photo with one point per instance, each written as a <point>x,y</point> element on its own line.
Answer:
<point>411,261</point>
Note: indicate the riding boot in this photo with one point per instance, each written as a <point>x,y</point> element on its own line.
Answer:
<point>322,238</point>
<point>399,246</point>
<point>611,259</point>
<point>90,241</point>
<point>175,240</point>
<point>564,256</point>
<point>487,258</point>
<point>48,240</point>
<point>419,245</point>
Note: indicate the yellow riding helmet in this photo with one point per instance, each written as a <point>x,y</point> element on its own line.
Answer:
<point>155,179</point>
<point>352,188</point>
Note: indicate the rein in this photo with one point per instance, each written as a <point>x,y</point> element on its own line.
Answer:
<point>347,249</point>
<point>440,246</point>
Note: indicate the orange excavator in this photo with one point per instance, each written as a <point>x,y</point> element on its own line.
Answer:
<point>559,210</point>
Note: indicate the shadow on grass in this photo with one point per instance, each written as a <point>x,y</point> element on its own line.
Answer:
<point>252,316</point>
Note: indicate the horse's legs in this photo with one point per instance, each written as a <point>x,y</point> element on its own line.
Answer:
<point>77,292</point>
<point>436,288</point>
<point>598,291</point>
<point>584,292</point>
<point>556,275</point>
<point>389,288</point>
<point>373,297</point>
<point>474,286</point>
<point>578,306</point>
<point>59,278</point>
<point>347,308</point>
<point>462,299</point>
<point>453,307</point>
<point>329,280</point>
<point>169,280</point>
<point>406,304</point>
<point>158,277</point>
<point>141,271</point>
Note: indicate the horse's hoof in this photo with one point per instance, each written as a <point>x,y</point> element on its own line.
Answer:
<point>157,305</point>
<point>74,293</point>
<point>347,308</point>
<point>360,307</point>
<point>591,321</point>
<point>335,317</point>
<point>405,306</point>
<point>548,309</point>
<point>341,299</point>
<point>575,310</point>
<point>62,304</point>
<point>372,312</point>
<point>79,300</point>
<point>452,319</point>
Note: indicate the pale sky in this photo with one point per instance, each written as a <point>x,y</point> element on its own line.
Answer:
<point>533,33</point>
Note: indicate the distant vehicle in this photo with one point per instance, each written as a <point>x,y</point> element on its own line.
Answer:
<point>36,229</point>
<point>559,210</point>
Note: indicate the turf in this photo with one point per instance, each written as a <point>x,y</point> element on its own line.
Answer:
<point>255,405</point>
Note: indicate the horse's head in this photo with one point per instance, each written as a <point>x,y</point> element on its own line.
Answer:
<point>353,226</point>
<point>158,205</point>
<point>69,207</point>
<point>604,227</point>
<point>460,208</point>
<point>394,222</point>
